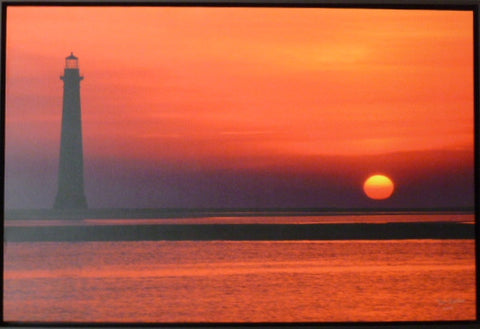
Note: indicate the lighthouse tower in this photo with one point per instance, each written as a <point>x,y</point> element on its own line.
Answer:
<point>71,194</point>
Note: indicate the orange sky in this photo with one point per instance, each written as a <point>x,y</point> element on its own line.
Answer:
<point>300,105</point>
<point>180,83</point>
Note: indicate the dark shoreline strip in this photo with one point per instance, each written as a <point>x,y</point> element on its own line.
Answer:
<point>242,232</point>
<point>13,214</point>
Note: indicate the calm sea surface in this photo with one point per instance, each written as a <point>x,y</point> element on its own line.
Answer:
<point>247,281</point>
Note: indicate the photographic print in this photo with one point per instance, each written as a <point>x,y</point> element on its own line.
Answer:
<point>239,164</point>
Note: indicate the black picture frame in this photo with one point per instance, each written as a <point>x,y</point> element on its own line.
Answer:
<point>473,5</point>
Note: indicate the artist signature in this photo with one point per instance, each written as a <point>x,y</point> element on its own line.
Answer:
<point>449,303</point>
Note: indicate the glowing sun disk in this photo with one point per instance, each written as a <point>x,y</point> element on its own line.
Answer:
<point>378,187</point>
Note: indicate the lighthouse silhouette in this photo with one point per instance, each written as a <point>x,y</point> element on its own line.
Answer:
<point>71,193</point>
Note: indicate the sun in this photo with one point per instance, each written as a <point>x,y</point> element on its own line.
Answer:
<point>378,187</point>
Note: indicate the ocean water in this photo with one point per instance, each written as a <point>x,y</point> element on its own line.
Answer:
<point>240,281</point>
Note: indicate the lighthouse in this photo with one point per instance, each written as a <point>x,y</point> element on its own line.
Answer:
<point>71,193</point>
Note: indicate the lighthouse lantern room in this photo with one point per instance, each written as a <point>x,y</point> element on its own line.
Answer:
<point>71,62</point>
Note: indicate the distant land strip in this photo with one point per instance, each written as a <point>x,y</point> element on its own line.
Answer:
<point>242,232</point>
<point>118,213</point>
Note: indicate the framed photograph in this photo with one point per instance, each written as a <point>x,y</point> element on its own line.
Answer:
<point>240,163</point>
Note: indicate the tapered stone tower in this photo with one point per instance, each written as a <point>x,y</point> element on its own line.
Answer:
<point>71,193</point>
